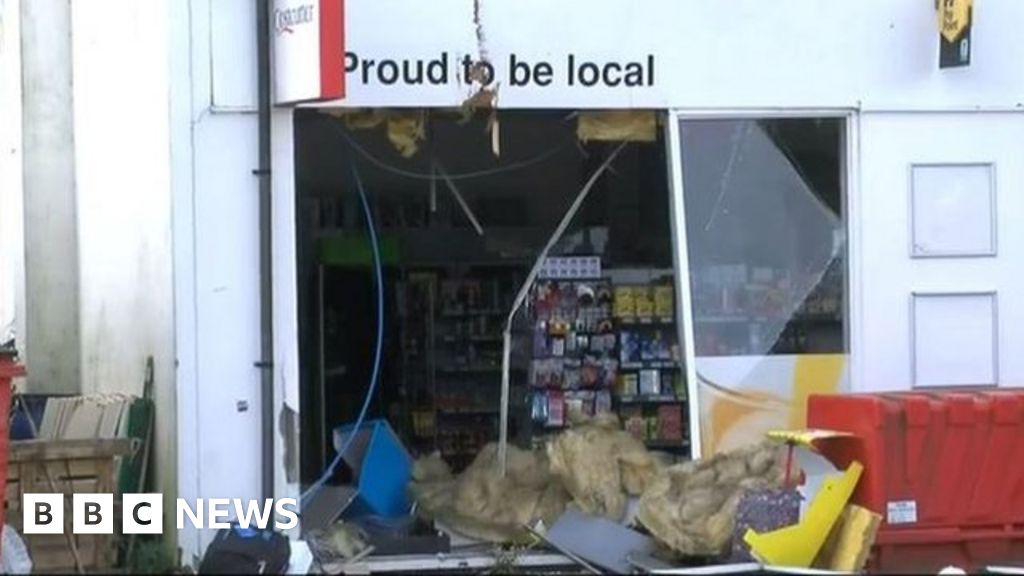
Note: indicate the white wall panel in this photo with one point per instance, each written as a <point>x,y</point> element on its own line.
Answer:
<point>122,164</point>
<point>883,336</point>
<point>227,307</point>
<point>233,53</point>
<point>12,245</point>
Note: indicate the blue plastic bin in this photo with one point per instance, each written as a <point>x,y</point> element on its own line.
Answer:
<point>381,467</point>
<point>35,405</point>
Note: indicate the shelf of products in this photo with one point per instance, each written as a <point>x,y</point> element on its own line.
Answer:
<point>574,364</point>
<point>744,310</point>
<point>651,391</point>
<point>452,347</point>
<point>597,347</point>
<point>466,369</point>
<point>651,399</point>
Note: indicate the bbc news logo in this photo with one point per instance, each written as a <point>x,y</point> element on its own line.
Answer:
<point>143,513</point>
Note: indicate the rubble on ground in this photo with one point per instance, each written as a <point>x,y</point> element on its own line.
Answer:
<point>600,465</point>
<point>482,504</point>
<point>691,507</point>
<point>595,466</point>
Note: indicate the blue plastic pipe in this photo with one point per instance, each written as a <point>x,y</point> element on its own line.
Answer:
<point>375,376</point>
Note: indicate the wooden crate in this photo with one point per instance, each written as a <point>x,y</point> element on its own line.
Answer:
<point>66,467</point>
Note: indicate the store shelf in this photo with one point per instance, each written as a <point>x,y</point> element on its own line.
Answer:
<point>727,319</point>
<point>650,399</point>
<point>572,359</point>
<point>598,388</point>
<point>472,313</point>
<point>650,365</point>
<point>467,413</point>
<point>469,369</point>
<point>652,321</point>
<point>486,339</point>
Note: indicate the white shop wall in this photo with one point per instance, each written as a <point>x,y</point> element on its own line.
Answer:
<point>12,247</point>
<point>216,264</point>
<point>952,314</point>
<point>122,174</point>
<point>93,200</point>
<point>217,304</point>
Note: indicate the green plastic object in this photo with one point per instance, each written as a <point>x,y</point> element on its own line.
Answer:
<point>355,250</point>
<point>140,421</point>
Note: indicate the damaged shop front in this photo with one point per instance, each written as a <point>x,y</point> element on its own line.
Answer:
<point>561,271</point>
<point>494,337</point>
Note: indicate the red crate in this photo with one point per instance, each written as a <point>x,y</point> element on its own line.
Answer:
<point>929,550</point>
<point>8,371</point>
<point>945,471</point>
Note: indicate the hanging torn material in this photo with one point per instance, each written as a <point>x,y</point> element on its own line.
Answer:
<point>405,132</point>
<point>617,125</point>
<point>495,129</point>
<point>405,129</point>
<point>482,99</point>
<point>357,118</point>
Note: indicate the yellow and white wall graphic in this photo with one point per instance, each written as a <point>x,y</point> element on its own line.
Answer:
<point>743,397</point>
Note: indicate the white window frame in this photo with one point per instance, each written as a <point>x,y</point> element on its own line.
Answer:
<point>849,167</point>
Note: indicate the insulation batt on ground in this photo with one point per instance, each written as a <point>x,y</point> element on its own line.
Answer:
<point>600,465</point>
<point>481,504</point>
<point>595,466</point>
<point>691,507</point>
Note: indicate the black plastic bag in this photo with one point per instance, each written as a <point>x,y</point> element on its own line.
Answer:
<point>250,550</point>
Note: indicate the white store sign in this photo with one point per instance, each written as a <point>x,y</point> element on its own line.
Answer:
<point>587,54</point>
<point>308,46</point>
<point>663,54</point>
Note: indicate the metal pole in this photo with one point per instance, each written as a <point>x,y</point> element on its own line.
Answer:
<point>262,172</point>
<point>524,290</point>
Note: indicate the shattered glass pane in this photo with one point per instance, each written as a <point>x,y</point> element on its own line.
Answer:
<point>767,266</point>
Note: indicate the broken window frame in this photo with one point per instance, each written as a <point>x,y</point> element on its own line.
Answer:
<point>681,254</point>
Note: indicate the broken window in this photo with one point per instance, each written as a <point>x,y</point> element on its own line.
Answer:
<point>764,225</point>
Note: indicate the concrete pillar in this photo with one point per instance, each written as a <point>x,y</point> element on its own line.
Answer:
<point>53,342</point>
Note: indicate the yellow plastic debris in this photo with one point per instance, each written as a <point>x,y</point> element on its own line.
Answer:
<point>847,548</point>
<point>797,546</point>
<point>805,437</point>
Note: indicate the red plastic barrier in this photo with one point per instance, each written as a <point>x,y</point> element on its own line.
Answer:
<point>945,471</point>
<point>929,550</point>
<point>8,371</point>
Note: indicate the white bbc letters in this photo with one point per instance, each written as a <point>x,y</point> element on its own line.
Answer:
<point>43,514</point>
<point>142,514</point>
<point>92,513</point>
<point>218,508</point>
